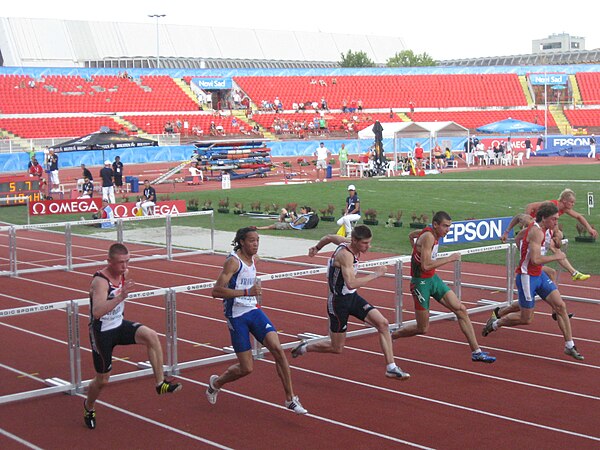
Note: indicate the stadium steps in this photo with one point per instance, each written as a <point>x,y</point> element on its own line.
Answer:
<point>186,89</point>
<point>561,120</point>
<point>251,124</point>
<point>404,117</point>
<point>17,142</point>
<point>526,91</point>
<point>125,123</point>
<point>575,87</point>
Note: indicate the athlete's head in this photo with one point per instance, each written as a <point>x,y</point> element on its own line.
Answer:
<point>361,238</point>
<point>441,222</point>
<point>246,238</point>
<point>567,199</point>
<point>118,259</point>
<point>546,209</point>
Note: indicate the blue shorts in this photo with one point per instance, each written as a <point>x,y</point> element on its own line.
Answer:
<point>529,286</point>
<point>254,322</point>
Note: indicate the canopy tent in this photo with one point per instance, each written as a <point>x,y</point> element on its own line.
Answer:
<point>509,126</point>
<point>416,130</point>
<point>103,140</point>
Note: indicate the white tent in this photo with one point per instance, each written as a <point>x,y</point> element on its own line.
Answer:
<point>424,130</point>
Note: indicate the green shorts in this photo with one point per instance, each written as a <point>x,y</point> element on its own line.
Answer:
<point>424,288</point>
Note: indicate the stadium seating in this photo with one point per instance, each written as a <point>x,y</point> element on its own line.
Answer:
<point>37,127</point>
<point>589,87</point>
<point>475,119</point>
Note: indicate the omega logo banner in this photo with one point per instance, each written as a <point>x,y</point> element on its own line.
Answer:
<point>477,230</point>
<point>87,206</point>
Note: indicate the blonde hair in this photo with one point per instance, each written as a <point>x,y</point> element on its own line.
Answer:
<point>567,193</point>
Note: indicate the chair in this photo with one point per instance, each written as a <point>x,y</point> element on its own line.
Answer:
<point>506,160</point>
<point>518,160</point>
<point>390,169</point>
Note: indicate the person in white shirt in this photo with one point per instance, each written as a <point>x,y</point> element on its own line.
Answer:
<point>322,153</point>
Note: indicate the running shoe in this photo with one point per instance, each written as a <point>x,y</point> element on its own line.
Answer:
<point>295,405</point>
<point>397,374</point>
<point>578,276</point>
<point>482,357</point>
<point>489,327</point>
<point>496,313</point>
<point>299,350</point>
<point>168,387</point>
<point>554,315</point>
<point>89,417</point>
<point>574,353</point>
<point>211,391</point>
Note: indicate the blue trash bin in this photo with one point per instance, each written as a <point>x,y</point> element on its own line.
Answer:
<point>329,171</point>
<point>135,184</point>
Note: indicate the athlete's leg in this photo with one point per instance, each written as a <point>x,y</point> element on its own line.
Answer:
<point>148,337</point>
<point>420,327</point>
<point>381,324</point>
<point>451,301</point>
<point>335,344</point>
<point>94,388</point>
<point>271,341</point>
<point>234,372</point>
<point>555,300</point>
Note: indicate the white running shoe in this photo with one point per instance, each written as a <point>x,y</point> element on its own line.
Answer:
<point>397,373</point>
<point>299,350</point>
<point>295,405</point>
<point>211,391</point>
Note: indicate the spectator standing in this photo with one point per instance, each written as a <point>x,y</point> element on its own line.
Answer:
<point>322,153</point>
<point>592,153</point>
<point>419,156</point>
<point>108,188</point>
<point>86,173</point>
<point>343,155</point>
<point>539,144</point>
<point>117,167</point>
<point>53,168</point>
<point>527,148</point>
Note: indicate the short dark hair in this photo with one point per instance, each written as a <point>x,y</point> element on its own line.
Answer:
<point>307,208</point>
<point>117,249</point>
<point>146,181</point>
<point>439,216</point>
<point>361,232</point>
<point>545,210</point>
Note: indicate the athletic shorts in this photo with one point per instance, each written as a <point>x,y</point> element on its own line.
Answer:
<point>254,322</point>
<point>321,164</point>
<point>282,226</point>
<point>529,286</point>
<point>424,288</point>
<point>103,343</point>
<point>340,307</point>
<point>118,180</point>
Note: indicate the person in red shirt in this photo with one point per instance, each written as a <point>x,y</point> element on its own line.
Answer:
<point>425,284</point>
<point>35,170</point>
<point>419,156</point>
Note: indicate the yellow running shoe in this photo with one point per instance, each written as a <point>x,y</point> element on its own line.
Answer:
<point>578,276</point>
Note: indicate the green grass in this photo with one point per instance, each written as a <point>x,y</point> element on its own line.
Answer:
<point>476,194</point>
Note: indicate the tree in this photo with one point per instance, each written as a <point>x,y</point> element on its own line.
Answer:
<point>407,58</point>
<point>358,59</point>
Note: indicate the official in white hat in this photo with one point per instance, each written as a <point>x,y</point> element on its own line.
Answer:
<point>352,211</point>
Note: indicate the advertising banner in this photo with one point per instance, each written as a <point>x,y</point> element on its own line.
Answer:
<point>88,206</point>
<point>469,231</point>
<point>213,83</point>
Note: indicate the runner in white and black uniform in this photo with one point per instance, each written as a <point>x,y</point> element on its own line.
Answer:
<point>343,301</point>
<point>108,291</point>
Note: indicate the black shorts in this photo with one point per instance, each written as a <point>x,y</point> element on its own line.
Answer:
<point>103,343</point>
<point>341,307</point>
<point>118,181</point>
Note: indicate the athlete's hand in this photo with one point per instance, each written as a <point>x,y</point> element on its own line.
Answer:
<point>594,233</point>
<point>454,257</point>
<point>380,270</point>
<point>127,288</point>
<point>504,237</point>
<point>313,251</point>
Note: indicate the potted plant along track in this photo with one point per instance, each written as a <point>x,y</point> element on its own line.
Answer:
<point>327,214</point>
<point>255,207</point>
<point>238,208</point>
<point>207,205</point>
<point>370,217</point>
<point>398,219</point>
<point>394,220</point>
<point>223,206</point>
<point>418,221</point>
<point>582,234</point>
<point>192,204</point>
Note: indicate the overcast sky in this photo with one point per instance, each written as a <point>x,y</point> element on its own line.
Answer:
<point>445,29</point>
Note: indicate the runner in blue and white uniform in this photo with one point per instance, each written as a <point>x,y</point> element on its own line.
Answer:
<point>239,288</point>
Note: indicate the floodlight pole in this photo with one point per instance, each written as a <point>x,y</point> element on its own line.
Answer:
<point>157,17</point>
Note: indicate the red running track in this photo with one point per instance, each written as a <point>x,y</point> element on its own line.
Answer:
<point>532,397</point>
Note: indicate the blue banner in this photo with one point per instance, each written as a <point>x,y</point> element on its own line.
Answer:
<point>213,83</point>
<point>469,231</point>
<point>548,78</point>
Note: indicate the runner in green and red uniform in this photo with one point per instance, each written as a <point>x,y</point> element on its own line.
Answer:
<point>425,284</point>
